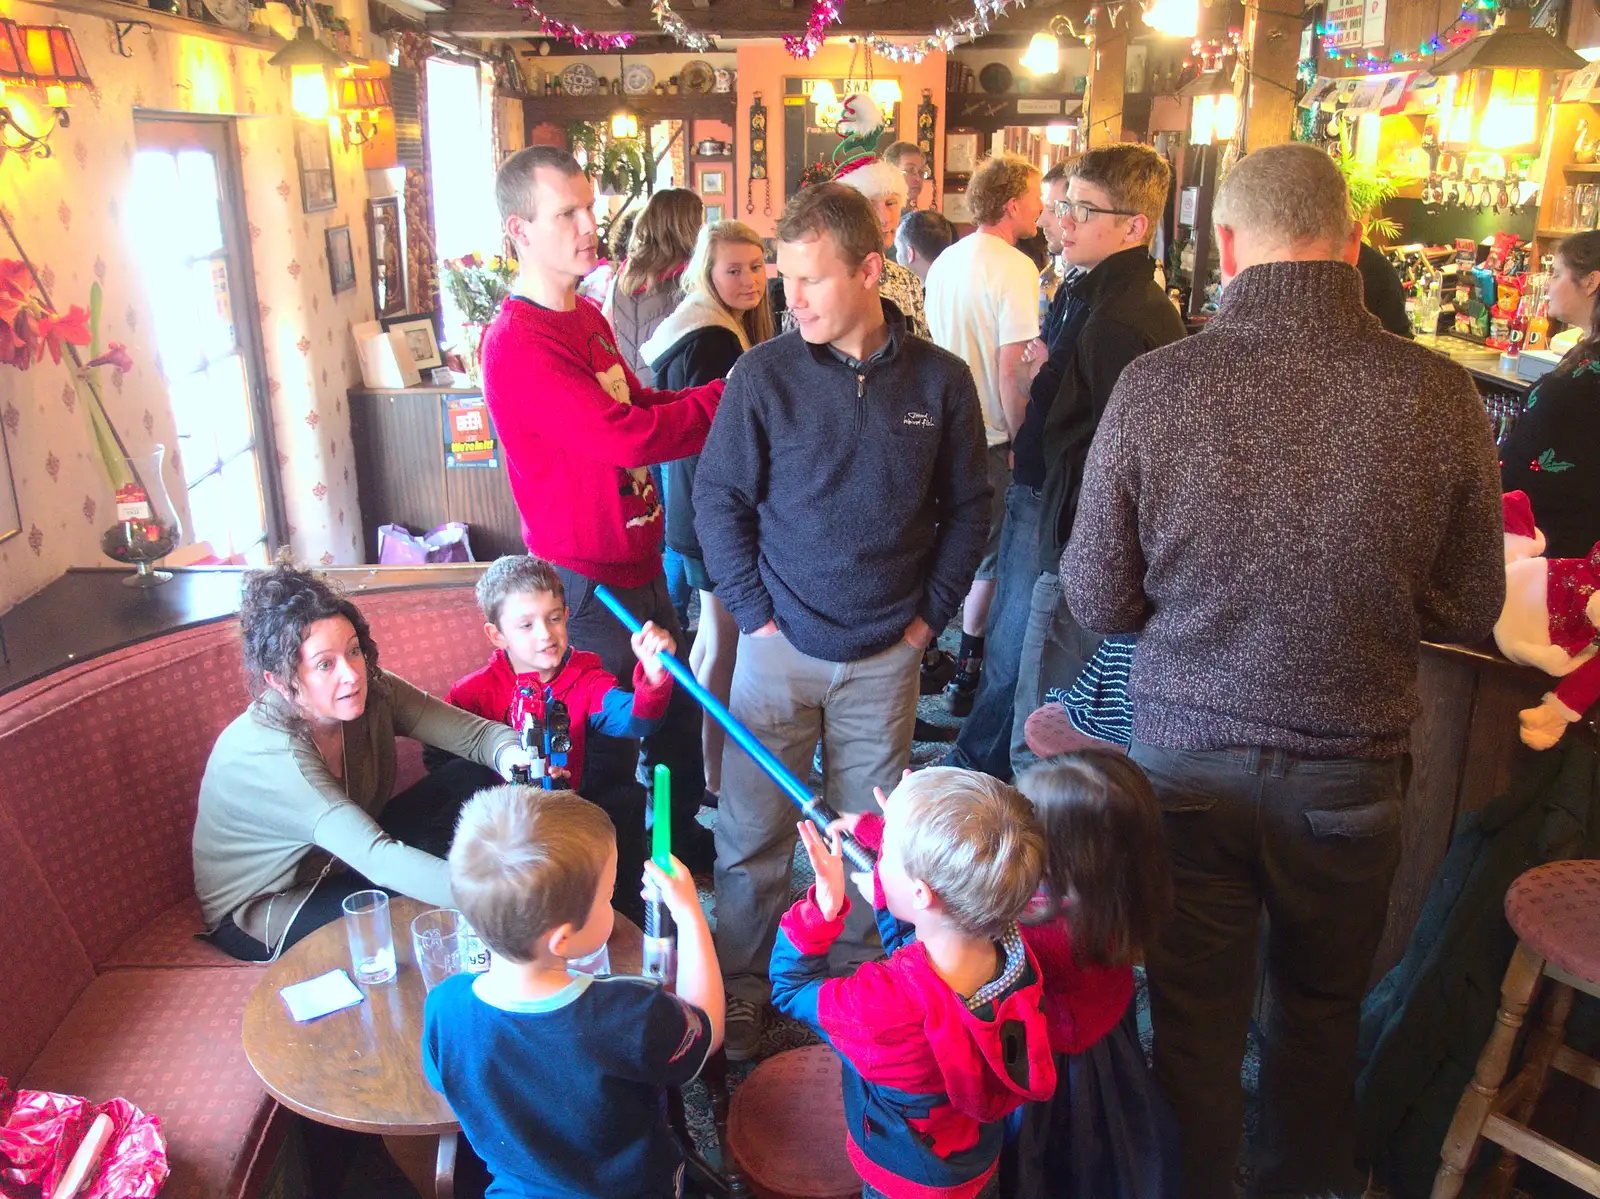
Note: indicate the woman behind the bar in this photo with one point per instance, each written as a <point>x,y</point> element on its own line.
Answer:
<point>1553,452</point>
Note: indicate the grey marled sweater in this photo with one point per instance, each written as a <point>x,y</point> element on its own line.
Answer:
<point>1282,507</point>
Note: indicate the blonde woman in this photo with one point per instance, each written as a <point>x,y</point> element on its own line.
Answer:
<point>646,287</point>
<point>724,312</point>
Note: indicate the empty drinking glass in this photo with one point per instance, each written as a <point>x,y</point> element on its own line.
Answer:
<point>1587,207</point>
<point>366,922</point>
<point>1566,208</point>
<point>445,944</point>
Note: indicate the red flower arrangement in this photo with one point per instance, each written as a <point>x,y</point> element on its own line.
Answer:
<point>28,326</point>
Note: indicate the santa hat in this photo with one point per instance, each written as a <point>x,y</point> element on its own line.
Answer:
<point>1523,538</point>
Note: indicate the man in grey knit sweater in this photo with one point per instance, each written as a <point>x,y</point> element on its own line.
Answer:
<point>1281,508</point>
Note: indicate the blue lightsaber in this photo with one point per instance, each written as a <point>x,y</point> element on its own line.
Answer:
<point>817,811</point>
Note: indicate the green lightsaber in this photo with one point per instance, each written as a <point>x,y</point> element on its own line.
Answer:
<point>660,934</point>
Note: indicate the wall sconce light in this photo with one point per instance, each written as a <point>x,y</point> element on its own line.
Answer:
<point>624,125</point>
<point>1176,18</point>
<point>307,60</point>
<point>360,98</point>
<point>44,57</point>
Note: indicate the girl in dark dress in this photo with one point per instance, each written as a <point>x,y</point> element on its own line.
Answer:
<point>1553,452</point>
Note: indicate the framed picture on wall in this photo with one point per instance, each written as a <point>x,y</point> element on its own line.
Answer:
<point>386,240</point>
<point>341,258</point>
<point>713,183</point>
<point>714,213</point>
<point>960,153</point>
<point>420,338</point>
<point>10,511</point>
<point>313,155</point>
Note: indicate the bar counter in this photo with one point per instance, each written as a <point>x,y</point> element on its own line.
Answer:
<point>1464,743</point>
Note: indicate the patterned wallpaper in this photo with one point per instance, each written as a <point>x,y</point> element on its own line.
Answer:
<point>71,213</point>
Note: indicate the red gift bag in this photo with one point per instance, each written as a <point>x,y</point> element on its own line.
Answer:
<point>40,1132</point>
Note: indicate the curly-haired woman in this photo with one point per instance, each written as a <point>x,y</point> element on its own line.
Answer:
<point>295,809</point>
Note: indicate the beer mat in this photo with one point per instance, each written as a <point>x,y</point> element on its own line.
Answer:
<point>318,996</point>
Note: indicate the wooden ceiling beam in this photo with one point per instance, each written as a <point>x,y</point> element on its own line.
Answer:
<point>752,18</point>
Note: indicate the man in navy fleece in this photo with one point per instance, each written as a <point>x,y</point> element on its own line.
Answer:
<point>843,504</point>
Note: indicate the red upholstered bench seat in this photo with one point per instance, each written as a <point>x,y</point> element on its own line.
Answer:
<point>104,990</point>
<point>169,1041</point>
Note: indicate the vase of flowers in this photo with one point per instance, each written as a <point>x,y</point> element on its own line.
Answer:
<point>478,286</point>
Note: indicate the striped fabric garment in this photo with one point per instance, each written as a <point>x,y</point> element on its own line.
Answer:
<point>1098,703</point>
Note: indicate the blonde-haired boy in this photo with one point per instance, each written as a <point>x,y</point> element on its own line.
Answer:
<point>558,1079</point>
<point>946,1037</point>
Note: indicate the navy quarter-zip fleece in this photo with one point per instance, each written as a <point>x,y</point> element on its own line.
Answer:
<point>844,501</point>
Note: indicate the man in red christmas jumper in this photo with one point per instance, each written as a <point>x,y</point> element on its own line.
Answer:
<point>580,434</point>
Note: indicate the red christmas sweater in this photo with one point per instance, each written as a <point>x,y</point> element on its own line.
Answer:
<point>580,433</point>
<point>590,692</point>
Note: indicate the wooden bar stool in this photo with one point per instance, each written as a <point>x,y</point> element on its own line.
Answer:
<point>1555,911</point>
<point>786,1128</point>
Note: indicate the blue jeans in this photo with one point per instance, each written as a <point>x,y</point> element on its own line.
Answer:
<point>1314,843</point>
<point>678,587</point>
<point>985,740</point>
<point>1055,649</point>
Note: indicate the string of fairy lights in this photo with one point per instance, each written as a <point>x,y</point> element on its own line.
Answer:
<point>1458,31</point>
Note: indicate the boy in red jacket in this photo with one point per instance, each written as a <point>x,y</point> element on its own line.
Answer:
<point>947,1037</point>
<point>525,618</point>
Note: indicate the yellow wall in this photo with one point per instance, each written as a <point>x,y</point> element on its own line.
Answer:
<point>71,212</point>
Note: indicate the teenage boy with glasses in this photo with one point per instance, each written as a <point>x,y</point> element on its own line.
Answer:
<point>1117,311</point>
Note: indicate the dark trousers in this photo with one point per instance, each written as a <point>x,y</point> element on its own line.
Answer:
<point>611,764</point>
<point>1314,843</point>
<point>985,740</point>
<point>422,816</point>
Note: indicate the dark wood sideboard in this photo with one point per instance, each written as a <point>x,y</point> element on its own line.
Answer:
<point>401,469</point>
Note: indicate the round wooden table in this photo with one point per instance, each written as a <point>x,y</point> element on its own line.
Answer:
<point>361,1068</point>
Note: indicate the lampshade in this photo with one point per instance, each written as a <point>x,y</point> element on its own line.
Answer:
<point>15,66</point>
<point>362,93</point>
<point>823,95</point>
<point>306,51</point>
<point>53,54</point>
<point>1515,44</point>
<point>624,125</point>
<point>1043,56</point>
<point>886,92</point>
<point>1057,135</point>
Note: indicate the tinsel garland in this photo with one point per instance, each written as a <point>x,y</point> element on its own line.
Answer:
<point>584,39</point>
<point>823,14</point>
<point>673,25</point>
<point>945,37</point>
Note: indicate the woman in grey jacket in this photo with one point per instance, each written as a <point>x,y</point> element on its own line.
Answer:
<point>295,810</point>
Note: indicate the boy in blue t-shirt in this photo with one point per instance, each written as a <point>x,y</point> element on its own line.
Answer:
<point>558,1079</point>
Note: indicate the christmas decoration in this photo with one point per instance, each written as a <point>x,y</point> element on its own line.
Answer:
<point>860,126</point>
<point>946,37</point>
<point>673,25</point>
<point>1551,620</point>
<point>1462,29</point>
<point>805,45</point>
<point>584,39</point>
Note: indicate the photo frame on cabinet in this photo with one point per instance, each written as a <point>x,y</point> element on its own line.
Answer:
<point>420,339</point>
<point>341,258</point>
<point>313,155</point>
<point>386,242</point>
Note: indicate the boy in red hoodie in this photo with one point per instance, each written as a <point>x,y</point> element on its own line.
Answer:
<point>947,1037</point>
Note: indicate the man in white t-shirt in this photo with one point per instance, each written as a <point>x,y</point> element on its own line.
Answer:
<point>982,301</point>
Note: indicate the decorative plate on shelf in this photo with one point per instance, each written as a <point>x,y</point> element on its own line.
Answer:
<point>698,78</point>
<point>235,14</point>
<point>579,80</point>
<point>637,79</point>
<point>995,78</point>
